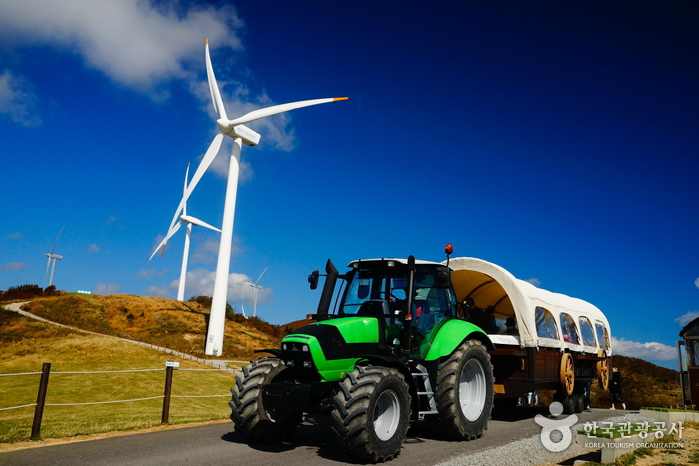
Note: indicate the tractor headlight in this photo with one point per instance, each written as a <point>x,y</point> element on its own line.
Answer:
<point>307,364</point>
<point>284,347</point>
<point>305,348</point>
<point>289,363</point>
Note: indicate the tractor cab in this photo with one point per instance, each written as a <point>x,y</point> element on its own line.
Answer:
<point>408,312</point>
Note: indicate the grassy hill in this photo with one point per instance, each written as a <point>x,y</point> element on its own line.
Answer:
<point>27,343</point>
<point>164,322</point>
<point>642,384</point>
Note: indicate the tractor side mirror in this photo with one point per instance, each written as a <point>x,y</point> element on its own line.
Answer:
<point>442,280</point>
<point>313,279</point>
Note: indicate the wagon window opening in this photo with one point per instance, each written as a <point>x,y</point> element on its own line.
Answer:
<point>546,324</point>
<point>588,334</point>
<point>602,335</point>
<point>568,328</point>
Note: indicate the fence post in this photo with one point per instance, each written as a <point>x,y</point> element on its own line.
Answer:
<point>168,390</point>
<point>41,399</point>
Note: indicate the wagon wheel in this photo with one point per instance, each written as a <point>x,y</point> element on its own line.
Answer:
<point>567,374</point>
<point>603,372</point>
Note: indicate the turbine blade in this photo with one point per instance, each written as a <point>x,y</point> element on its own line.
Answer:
<point>263,272</point>
<point>213,86</point>
<point>48,264</point>
<point>163,243</point>
<point>201,169</point>
<point>59,235</point>
<point>275,109</point>
<point>196,221</point>
<point>184,191</point>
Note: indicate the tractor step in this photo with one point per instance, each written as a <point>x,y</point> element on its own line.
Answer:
<point>424,377</point>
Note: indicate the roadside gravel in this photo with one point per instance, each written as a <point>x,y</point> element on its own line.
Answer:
<point>531,452</point>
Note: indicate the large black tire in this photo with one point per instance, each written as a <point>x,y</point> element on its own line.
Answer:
<point>579,400</point>
<point>464,393</point>
<point>569,402</point>
<point>372,413</point>
<point>247,410</point>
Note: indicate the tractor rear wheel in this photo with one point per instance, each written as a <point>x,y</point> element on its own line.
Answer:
<point>464,392</point>
<point>372,413</point>
<point>247,410</point>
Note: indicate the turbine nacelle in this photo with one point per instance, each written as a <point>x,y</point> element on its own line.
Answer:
<point>249,137</point>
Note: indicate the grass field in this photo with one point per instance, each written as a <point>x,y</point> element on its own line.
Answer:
<point>25,344</point>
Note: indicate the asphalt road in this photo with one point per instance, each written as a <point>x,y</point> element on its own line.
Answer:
<point>218,444</point>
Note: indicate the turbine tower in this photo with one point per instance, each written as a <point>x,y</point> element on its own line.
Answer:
<point>256,287</point>
<point>241,135</point>
<point>53,258</point>
<point>184,218</point>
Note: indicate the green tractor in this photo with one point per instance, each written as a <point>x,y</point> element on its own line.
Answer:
<point>394,351</point>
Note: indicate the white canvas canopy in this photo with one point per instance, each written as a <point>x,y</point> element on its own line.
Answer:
<point>491,285</point>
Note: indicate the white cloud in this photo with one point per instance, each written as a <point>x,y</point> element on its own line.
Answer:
<point>207,251</point>
<point>687,318</point>
<point>652,350</point>
<point>13,266</point>
<point>534,281</point>
<point>103,288</point>
<point>134,42</point>
<point>696,282</point>
<point>93,248</point>
<point>143,45</point>
<point>147,274</point>
<point>17,99</point>
<point>16,235</point>
<point>161,291</point>
<point>200,282</point>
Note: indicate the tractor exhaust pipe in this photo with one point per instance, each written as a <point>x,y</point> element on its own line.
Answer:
<point>326,297</point>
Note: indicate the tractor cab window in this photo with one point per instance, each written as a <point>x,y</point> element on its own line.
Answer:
<point>367,285</point>
<point>391,285</point>
<point>432,304</point>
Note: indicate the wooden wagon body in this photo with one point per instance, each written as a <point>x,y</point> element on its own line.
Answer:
<point>557,342</point>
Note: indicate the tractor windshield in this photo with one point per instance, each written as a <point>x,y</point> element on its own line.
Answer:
<point>390,284</point>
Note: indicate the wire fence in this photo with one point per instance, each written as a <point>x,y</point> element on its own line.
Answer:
<point>41,403</point>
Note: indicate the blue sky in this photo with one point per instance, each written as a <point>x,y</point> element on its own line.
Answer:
<point>556,139</point>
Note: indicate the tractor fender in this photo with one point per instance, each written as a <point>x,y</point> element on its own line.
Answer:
<point>452,334</point>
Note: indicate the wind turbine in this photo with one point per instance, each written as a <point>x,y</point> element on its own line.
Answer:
<point>184,218</point>
<point>256,287</point>
<point>241,135</point>
<point>53,257</point>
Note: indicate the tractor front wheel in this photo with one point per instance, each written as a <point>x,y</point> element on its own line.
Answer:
<point>247,410</point>
<point>372,413</point>
<point>464,392</point>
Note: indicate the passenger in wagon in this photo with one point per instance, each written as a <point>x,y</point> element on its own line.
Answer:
<point>491,325</point>
<point>511,327</point>
<point>474,314</point>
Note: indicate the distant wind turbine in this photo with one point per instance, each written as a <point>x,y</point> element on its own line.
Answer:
<point>256,287</point>
<point>241,135</point>
<point>184,218</point>
<point>243,308</point>
<point>53,257</point>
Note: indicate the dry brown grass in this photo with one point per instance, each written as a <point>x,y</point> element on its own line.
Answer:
<point>25,344</point>
<point>164,322</point>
